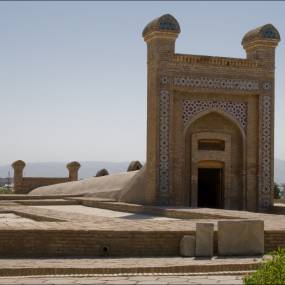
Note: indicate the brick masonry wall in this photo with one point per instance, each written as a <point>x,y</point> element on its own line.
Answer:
<point>28,243</point>
<point>30,183</point>
<point>278,209</point>
<point>281,201</point>
<point>273,240</point>
<point>55,243</point>
<point>23,185</point>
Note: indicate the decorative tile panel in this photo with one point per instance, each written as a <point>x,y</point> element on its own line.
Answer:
<point>217,83</point>
<point>237,110</point>
<point>266,85</point>
<point>164,80</point>
<point>164,104</point>
<point>266,183</point>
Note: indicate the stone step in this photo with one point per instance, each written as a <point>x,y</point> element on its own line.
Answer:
<point>42,273</point>
<point>34,197</point>
<point>129,266</point>
<point>47,202</point>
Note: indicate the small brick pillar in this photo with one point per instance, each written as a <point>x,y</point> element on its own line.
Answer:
<point>18,167</point>
<point>73,168</point>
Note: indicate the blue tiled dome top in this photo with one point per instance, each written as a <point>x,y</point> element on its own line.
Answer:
<point>267,31</point>
<point>165,23</point>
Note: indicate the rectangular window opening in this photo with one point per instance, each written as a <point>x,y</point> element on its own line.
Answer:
<point>210,144</point>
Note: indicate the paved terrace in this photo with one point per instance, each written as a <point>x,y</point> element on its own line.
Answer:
<point>81,217</point>
<point>77,217</point>
<point>50,227</point>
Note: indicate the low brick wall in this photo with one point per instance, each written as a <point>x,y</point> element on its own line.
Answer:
<point>282,201</point>
<point>50,243</point>
<point>273,240</point>
<point>23,185</point>
<point>17,197</point>
<point>278,209</point>
<point>80,243</point>
<point>47,202</point>
<point>30,183</point>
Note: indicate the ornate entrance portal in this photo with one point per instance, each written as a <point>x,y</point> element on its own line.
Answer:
<point>210,187</point>
<point>205,110</point>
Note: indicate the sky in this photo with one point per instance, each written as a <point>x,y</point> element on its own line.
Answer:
<point>73,74</point>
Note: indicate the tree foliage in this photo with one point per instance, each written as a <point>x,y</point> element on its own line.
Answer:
<point>277,192</point>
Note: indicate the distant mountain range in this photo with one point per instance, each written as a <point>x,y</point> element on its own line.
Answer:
<point>89,168</point>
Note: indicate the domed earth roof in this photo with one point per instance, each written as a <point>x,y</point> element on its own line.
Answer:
<point>267,31</point>
<point>164,23</point>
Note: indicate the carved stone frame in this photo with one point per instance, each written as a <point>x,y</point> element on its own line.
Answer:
<point>210,158</point>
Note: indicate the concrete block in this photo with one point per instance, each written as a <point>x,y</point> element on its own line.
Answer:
<point>204,239</point>
<point>187,246</point>
<point>244,237</point>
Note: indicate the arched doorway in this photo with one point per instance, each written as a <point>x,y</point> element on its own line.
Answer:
<point>214,170</point>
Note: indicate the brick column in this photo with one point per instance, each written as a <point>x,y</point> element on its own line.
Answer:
<point>260,45</point>
<point>73,168</point>
<point>160,36</point>
<point>18,167</point>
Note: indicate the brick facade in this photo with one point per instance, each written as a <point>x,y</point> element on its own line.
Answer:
<point>190,95</point>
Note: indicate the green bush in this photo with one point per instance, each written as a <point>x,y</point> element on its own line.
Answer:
<point>270,272</point>
<point>4,190</point>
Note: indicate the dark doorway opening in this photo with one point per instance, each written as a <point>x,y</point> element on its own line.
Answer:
<point>210,187</point>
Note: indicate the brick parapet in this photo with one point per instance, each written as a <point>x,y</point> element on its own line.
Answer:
<point>30,183</point>
<point>23,185</point>
<point>216,61</point>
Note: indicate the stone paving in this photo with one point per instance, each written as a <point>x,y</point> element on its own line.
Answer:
<point>135,280</point>
<point>10,217</point>
<point>69,217</point>
<point>127,262</point>
<point>79,221</point>
<point>102,212</point>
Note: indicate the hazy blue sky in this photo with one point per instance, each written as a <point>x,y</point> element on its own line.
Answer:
<point>73,74</point>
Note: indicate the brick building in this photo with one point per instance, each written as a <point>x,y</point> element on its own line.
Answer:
<point>210,122</point>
